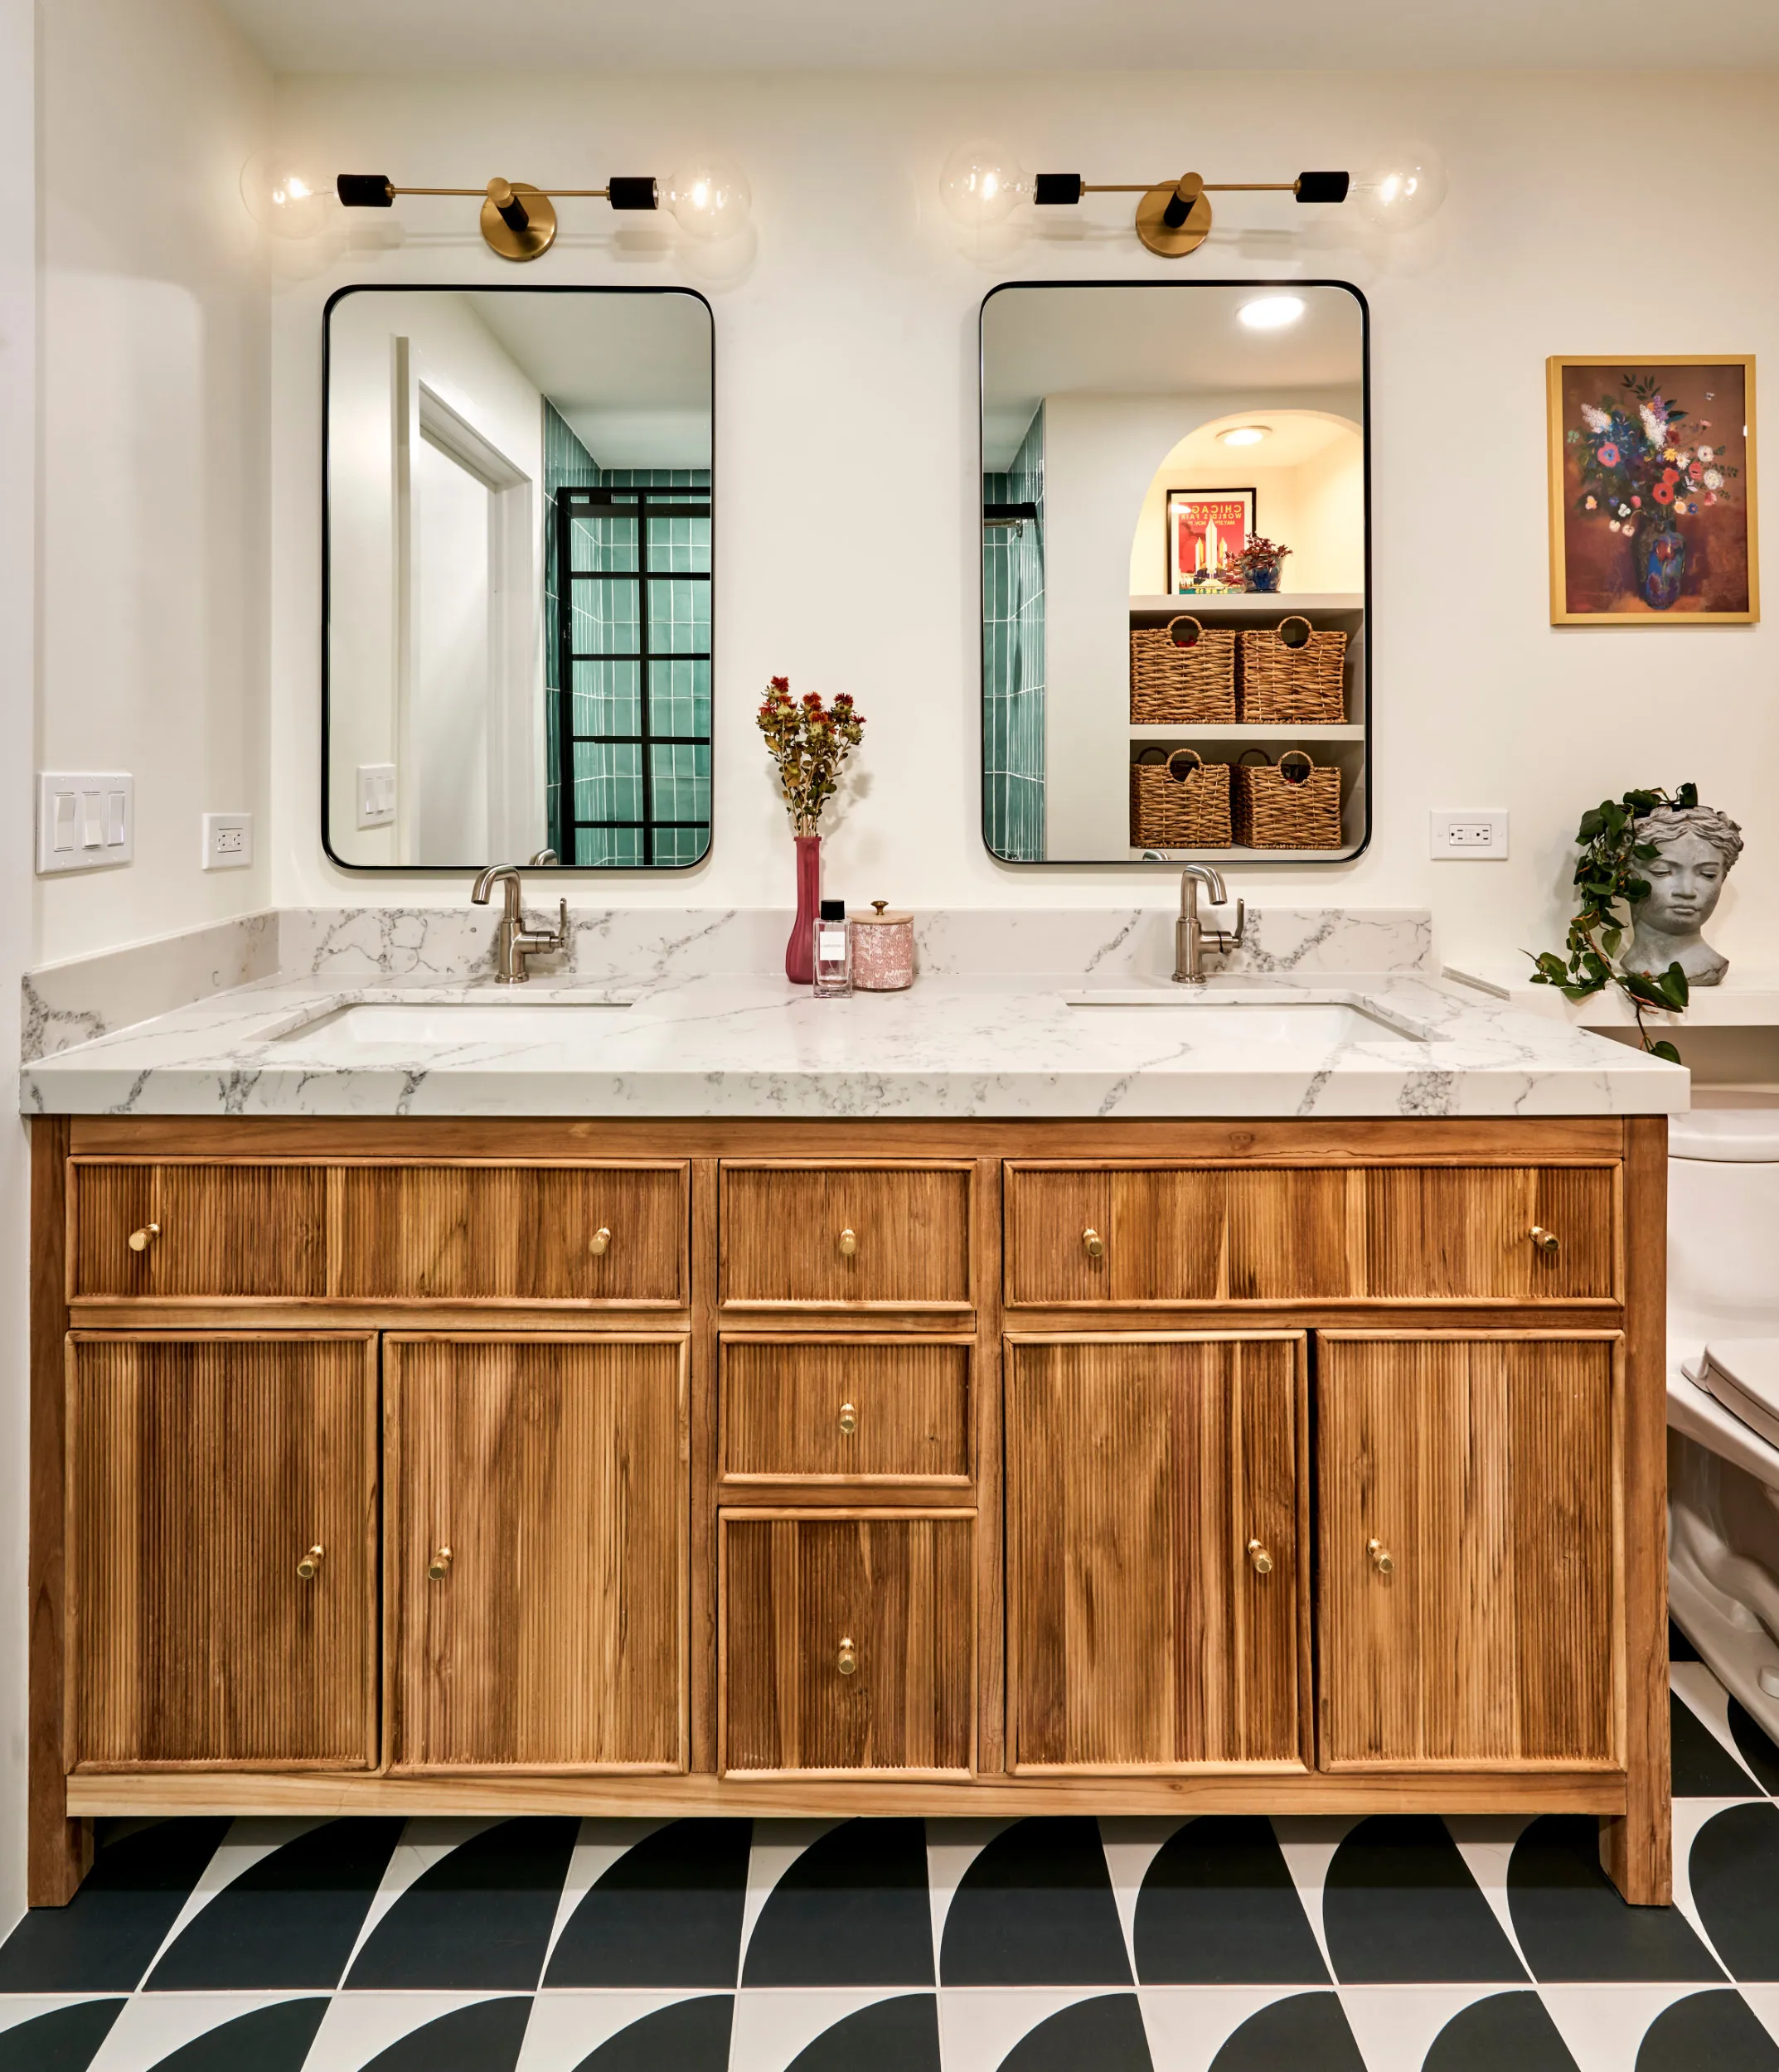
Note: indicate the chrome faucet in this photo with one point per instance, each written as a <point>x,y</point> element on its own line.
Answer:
<point>512,944</point>
<point>1191,938</point>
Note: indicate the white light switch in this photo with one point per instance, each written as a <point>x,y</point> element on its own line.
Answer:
<point>86,818</point>
<point>377,794</point>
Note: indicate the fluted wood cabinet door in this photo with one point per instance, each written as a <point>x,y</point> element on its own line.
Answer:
<point>201,1472</point>
<point>849,1644</point>
<point>1154,1570</point>
<point>1468,1608</point>
<point>218,1230</point>
<point>535,1545</point>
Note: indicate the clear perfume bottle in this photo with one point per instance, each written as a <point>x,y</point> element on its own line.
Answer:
<point>833,952</point>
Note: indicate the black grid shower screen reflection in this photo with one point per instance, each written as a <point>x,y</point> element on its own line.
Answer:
<point>630,735</point>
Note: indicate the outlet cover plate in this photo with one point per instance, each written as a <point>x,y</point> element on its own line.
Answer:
<point>228,841</point>
<point>86,819</point>
<point>1467,835</point>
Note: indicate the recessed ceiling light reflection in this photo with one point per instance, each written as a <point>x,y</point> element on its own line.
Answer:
<point>1245,434</point>
<point>1271,312</point>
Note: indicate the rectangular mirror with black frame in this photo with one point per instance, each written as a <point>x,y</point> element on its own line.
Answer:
<point>518,578</point>
<point>1175,572</point>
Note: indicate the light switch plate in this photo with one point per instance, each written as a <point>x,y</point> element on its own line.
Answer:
<point>228,841</point>
<point>377,794</point>
<point>1467,835</point>
<point>86,819</point>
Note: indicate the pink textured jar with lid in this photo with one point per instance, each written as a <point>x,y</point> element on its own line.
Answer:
<point>883,950</point>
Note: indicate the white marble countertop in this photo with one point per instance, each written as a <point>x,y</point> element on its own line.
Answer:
<point>741,1044</point>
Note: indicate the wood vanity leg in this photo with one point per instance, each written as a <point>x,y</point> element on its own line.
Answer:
<point>1638,1850</point>
<point>702,1589</point>
<point>59,1851</point>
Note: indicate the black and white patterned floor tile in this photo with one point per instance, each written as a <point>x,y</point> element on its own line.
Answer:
<point>1218,1944</point>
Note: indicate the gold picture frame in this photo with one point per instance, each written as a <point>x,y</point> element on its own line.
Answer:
<point>1618,555</point>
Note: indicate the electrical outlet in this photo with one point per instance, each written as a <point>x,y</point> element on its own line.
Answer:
<point>85,819</point>
<point>377,794</point>
<point>1467,835</point>
<point>228,841</point>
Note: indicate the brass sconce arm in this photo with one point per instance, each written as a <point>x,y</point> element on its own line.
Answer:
<point>518,222</point>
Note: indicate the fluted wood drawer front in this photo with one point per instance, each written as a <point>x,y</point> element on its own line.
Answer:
<point>1130,1236</point>
<point>1519,1233</point>
<point>848,1644</point>
<point>854,1410</point>
<point>222,1522</point>
<point>215,1230</point>
<point>1156,1555</point>
<point>515,1233</point>
<point>1468,1549</point>
<point>1079,1235</point>
<point>846,1236</point>
<point>535,1548</point>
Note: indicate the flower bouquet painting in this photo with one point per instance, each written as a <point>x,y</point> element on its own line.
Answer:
<point>1652,492</point>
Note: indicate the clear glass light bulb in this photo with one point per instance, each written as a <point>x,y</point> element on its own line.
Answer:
<point>710,198</point>
<point>1400,189</point>
<point>282,196</point>
<point>982,184</point>
<point>1270,313</point>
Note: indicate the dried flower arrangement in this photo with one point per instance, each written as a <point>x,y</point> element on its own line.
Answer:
<point>810,743</point>
<point>1257,566</point>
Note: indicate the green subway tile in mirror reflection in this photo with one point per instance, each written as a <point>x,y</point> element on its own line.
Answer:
<point>1013,659</point>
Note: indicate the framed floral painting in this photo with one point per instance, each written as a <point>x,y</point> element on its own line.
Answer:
<point>1652,491</point>
<point>1206,529</point>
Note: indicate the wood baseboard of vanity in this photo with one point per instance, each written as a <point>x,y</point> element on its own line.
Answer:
<point>848,1468</point>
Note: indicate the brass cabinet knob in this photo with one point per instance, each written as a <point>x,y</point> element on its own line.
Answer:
<point>439,1566</point>
<point>849,1420</point>
<point>600,1243</point>
<point>849,1658</point>
<point>1546,1241</point>
<point>1380,1557</point>
<point>1092,1244</point>
<point>311,1561</point>
<point>140,1240</point>
<point>849,1243</point>
<point>1263,1561</point>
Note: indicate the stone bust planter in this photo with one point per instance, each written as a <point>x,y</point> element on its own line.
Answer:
<point>1698,847</point>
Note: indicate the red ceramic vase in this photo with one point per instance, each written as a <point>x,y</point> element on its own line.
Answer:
<point>800,951</point>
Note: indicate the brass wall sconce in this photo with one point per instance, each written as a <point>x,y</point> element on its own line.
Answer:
<point>983,185</point>
<point>519,221</point>
<point>1174,216</point>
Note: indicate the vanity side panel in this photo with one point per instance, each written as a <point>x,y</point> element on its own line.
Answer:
<point>59,1851</point>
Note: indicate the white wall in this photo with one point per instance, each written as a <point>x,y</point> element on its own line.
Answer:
<point>847,435</point>
<point>18,298</point>
<point>153,451</point>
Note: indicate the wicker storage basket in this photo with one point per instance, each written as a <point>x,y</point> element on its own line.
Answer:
<point>1189,676</point>
<point>1293,804</point>
<point>1292,672</point>
<point>1182,803</point>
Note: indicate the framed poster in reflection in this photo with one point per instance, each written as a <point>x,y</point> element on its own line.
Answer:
<point>1206,529</point>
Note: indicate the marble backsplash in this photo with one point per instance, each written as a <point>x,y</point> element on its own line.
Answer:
<point>70,1003</point>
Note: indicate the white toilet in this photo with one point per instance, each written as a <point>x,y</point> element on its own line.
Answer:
<point>1722,1472</point>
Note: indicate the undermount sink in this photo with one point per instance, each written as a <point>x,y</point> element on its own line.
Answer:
<point>1249,1015</point>
<point>438,1024</point>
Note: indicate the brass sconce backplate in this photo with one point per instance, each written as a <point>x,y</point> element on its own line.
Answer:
<point>1151,227</point>
<point>537,236</point>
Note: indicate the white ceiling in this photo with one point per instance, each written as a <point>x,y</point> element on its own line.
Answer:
<point>1183,338</point>
<point>923,36</point>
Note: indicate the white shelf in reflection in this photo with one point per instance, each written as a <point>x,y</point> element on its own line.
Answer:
<point>1192,732</point>
<point>1255,604</point>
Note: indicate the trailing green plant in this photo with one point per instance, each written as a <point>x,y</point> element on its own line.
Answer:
<point>1611,886</point>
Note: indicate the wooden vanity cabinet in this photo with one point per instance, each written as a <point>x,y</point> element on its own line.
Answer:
<point>783,1468</point>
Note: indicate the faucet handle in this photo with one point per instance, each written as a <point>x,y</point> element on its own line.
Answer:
<point>1225,941</point>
